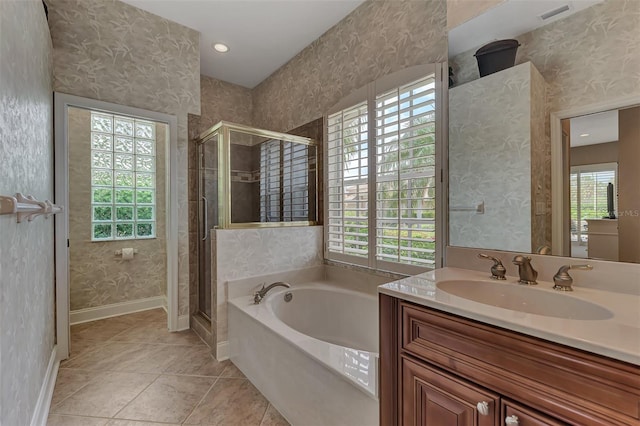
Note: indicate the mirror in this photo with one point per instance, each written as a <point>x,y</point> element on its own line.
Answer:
<point>521,175</point>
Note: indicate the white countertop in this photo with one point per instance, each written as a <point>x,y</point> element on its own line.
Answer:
<point>617,337</point>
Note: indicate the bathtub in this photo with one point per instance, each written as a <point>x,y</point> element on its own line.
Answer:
<point>315,358</point>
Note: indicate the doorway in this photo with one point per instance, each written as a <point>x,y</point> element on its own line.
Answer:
<point>116,243</point>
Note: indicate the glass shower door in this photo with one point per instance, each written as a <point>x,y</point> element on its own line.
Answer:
<point>207,219</point>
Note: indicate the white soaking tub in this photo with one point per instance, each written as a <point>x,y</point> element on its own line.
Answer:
<point>316,357</point>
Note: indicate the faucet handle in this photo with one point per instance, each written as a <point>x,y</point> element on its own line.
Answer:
<point>562,281</point>
<point>498,271</point>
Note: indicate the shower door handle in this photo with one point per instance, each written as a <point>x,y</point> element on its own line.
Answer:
<point>206,218</point>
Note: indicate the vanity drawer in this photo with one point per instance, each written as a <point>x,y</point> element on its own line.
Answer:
<point>574,385</point>
<point>523,416</point>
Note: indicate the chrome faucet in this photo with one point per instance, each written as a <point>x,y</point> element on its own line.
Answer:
<point>498,270</point>
<point>528,275</point>
<point>259,295</point>
<point>562,280</point>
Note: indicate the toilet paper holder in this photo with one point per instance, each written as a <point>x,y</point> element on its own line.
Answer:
<point>119,252</point>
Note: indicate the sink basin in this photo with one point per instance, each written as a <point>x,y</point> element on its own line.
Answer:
<point>525,299</point>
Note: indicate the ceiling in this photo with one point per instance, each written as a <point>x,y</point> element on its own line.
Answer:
<point>262,35</point>
<point>601,127</point>
<point>508,20</point>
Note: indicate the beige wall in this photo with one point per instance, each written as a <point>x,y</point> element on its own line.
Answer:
<point>594,154</point>
<point>27,319</point>
<point>461,11</point>
<point>376,39</point>
<point>98,277</point>
<point>629,185</point>
<point>114,52</point>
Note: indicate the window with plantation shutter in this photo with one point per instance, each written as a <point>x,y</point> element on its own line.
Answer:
<point>347,183</point>
<point>284,181</point>
<point>381,176</point>
<point>588,188</point>
<point>405,174</point>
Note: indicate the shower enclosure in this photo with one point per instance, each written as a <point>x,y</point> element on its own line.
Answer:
<point>250,178</point>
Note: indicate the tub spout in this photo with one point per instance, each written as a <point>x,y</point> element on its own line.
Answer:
<point>259,295</point>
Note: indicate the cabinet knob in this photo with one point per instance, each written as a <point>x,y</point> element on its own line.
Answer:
<point>511,420</point>
<point>483,408</point>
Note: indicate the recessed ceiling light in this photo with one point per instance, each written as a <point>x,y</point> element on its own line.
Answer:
<point>584,135</point>
<point>220,47</point>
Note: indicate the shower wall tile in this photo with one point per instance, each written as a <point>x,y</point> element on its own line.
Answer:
<point>96,276</point>
<point>376,39</point>
<point>245,253</point>
<point>111,51</point>
<point>27,317</point>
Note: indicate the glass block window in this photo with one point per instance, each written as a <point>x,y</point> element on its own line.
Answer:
<point>123,179</point>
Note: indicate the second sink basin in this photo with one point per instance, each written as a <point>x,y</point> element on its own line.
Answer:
<point>525,299</point>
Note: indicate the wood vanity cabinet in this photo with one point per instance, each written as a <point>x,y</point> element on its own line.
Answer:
<point>438,369</point>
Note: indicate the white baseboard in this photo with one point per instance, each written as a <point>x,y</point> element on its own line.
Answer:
<point>116,309</point>
<point>222,351</point>
<point>183,323</point>
<point>41,412</point>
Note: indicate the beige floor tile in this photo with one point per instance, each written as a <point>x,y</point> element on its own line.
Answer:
<point>233,371</point>
<point>105,395</point>
<point>154,358</point>
<point>168,399</point>
<point>101,330</point>
<point>81,347</point>
<point>198,361</point>
<point>273,418</point>
<point>107,357</point>
<point>117,422</point>
<point>69,381</point>
<point>155,332</point>
<point>59,420</point>
<point>230,402</point>
<point>151,315</point>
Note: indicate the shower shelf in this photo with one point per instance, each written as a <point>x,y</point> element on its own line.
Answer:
<point>27,207</point>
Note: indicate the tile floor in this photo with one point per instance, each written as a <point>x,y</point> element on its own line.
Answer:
<point>130,371</point>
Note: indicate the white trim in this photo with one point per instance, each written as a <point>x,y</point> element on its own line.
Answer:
<point>61,103</point>
<point>116,309</point>
<point>183,323</point>
<point>557,167</point>
<point>41,411</point>
<point>222,351</point>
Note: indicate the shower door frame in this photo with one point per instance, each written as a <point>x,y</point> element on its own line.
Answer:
<point>62,102</point>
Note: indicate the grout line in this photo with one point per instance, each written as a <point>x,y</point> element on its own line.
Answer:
<point>199,402</point>
<point>137,395</point>
<point>265,411</point>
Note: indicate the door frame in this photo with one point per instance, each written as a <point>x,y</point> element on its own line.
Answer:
<point>558,201</point>
<point>62,102</point>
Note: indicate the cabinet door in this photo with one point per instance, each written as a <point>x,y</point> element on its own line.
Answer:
<point>431,397</point>
<point>514,414</point>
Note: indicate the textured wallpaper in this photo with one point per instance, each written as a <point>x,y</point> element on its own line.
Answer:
<point>589,57</point>
<point>114,52</point>
<point>97,276</point>
<point>490,150</point>
<point>255,252</point>
<point>376,39</point>
<point>219,100</point>
<point>26,249</point>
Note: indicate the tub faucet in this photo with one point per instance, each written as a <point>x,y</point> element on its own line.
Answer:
<point>259,295</point>
<point>528,275</point>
